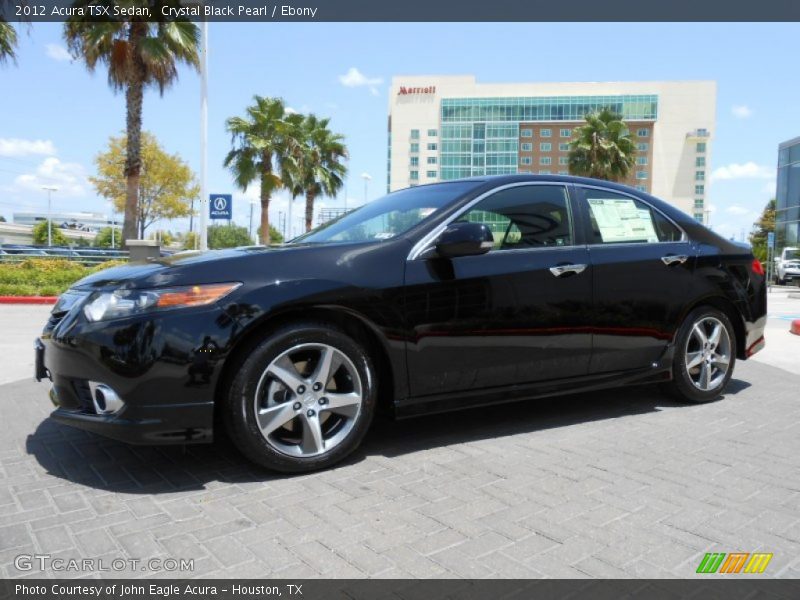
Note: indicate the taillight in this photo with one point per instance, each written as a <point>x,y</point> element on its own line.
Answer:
<point>757,267</point>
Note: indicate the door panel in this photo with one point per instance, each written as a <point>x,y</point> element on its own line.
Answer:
<point>502,318</point>
<point>640,286</point>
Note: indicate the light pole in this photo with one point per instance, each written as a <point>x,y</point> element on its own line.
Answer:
<point>250,230</point>
<point>366,177</point>
<point>113,212</point>
<point>50,190</point>
<point>204,136</point>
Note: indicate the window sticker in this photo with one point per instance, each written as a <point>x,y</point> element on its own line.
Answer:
<point>620,220</point>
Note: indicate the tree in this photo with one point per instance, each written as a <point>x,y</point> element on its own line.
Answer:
<point>265,145</point>
<point>2,219</point>
<point>40,235</point>
<point>191,241</point>
<point>318,170</point>
<point>8,42</point>
<point>103,238</point>
<point>228,236</point>
<point>166,183</point>
<point>764,225</point>
<point>602,148</point>
<point>138,54</point>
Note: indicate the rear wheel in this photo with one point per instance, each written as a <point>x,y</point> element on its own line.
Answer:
<point>302,400</point>
<point>705,354</point>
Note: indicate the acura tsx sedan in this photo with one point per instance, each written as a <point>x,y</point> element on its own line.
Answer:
<point>433,298</point>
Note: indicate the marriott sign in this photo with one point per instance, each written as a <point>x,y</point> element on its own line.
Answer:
<point>406,91</point>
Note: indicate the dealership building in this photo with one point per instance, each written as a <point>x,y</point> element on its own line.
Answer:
<point>448,127</point>
<point>787,215</point>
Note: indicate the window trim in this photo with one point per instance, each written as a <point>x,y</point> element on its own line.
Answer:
<point>583,209</point>
<point>425,243</point>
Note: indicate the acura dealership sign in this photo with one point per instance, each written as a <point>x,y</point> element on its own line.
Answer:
<point>411,91</point>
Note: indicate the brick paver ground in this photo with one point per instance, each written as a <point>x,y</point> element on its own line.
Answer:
<point>614,484</point>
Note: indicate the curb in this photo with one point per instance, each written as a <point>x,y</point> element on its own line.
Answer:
<point>28,299</point>
<point>795,328</point>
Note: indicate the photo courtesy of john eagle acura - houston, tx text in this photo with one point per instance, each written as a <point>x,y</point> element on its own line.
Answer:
<point>433,298</point>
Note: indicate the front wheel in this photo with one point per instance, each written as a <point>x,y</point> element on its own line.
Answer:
<point>705,354</point>
<point>302,400</point>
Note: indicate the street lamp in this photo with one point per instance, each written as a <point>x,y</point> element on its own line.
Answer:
<point>50,190</point>
<point>366,177</point>
<point>204,136</point>
<point>250,230</point>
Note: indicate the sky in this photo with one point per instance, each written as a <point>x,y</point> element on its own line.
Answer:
<point>55,116</point>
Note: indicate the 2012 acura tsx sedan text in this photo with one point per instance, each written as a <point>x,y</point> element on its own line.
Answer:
<point>437,297</point>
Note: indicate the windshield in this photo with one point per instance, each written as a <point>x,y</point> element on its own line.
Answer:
<point>387,217</point>
<point>793,254</point>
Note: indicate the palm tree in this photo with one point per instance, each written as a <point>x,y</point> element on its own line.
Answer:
<point>602,148</point>
<point>266,144</point>
<point>8,36</point>
<point>138,54</point>
<point>319,170</point>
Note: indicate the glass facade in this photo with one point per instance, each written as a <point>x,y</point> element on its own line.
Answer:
<point>481,136</point>
<point>787,217</point>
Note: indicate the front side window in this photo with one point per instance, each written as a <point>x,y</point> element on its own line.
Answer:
<point>523,217</point>
<point>618,219</point>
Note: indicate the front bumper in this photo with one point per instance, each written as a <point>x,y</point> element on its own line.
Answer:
<point>164,367</point>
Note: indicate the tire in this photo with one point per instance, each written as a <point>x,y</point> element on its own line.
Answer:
<point>704,381</point>
<point>281,416</point>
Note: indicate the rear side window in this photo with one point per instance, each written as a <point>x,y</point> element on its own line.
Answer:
<point>529,216</point>
<point>617,219</point>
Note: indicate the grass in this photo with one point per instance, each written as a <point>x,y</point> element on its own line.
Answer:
<point>44,277</point>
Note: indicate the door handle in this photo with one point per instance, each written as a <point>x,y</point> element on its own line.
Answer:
<point>561,270</point>
<point>674,259</point>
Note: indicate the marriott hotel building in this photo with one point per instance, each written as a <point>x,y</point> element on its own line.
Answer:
<point>447,127</point>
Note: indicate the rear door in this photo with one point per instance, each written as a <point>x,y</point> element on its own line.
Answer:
<point>642,270</point>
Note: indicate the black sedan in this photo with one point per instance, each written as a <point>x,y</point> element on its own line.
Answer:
<point>433,298</point>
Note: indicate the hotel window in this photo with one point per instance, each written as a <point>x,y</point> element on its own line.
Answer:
<point>641,188</point>
<point>643,133</point>
<point>698,203</point>
<point>563,160</point>
<point>431,160</point>
<point>525,133</point>
<point>641,160</point>
<point>414,147</point>
<point>527,147</point>
<point>642,146</point>
<point>700,161</point>
<point>566,133</point>
<point>414,161</point>
<point>699,175</point>
<point>525,160</point>
<point>699,190</point>
<point>641,174</point>
<point>414,175</point>
<point>432,133</point>
<point>544,172</point>
<point>545,147</point>
<point>701,147</point>
<point>432,146</point>
<point>698,217</point>
<point>545,160</point>
<point>415,134</point>
<point>563,172</point>
<point>563,147</point>
<point>430,174</point>
<point>546,133</point>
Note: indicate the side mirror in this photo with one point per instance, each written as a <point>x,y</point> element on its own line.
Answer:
<point>464,239</point>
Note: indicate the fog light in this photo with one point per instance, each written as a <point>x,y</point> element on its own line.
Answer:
<point>105,400</point>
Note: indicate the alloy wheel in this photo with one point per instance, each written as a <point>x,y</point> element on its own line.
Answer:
<point>708,353</point>
<point>308,399</point>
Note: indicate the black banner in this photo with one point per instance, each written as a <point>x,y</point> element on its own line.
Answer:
<point>707,588</point>
<point>404,10</point>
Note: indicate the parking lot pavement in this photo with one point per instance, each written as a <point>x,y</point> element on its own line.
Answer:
<point>783,348</point>
<point>614,484</point>
<point>19,326</point>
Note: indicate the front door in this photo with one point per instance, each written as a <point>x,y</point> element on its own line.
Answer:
<point>516,315</point>
<point>642,268</point>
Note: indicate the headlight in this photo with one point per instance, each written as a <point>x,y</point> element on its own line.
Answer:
<point>124,303</point>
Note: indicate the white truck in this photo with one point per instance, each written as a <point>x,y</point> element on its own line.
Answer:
<point>787,266</point>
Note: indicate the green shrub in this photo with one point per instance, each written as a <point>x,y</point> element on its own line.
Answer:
<point>45,276</point>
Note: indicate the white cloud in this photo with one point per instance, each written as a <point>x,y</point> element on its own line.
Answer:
<point>69,178</point>
<point>748,170</point>
<point>58,53</point>
<point>737,210</point>
<point>355,78</point>
<point>741,111</point>
<point>15,147</point>
<point>770,187</point>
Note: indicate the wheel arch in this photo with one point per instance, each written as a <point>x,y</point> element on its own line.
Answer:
<point>724,305</point>
<point>355,325</point>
